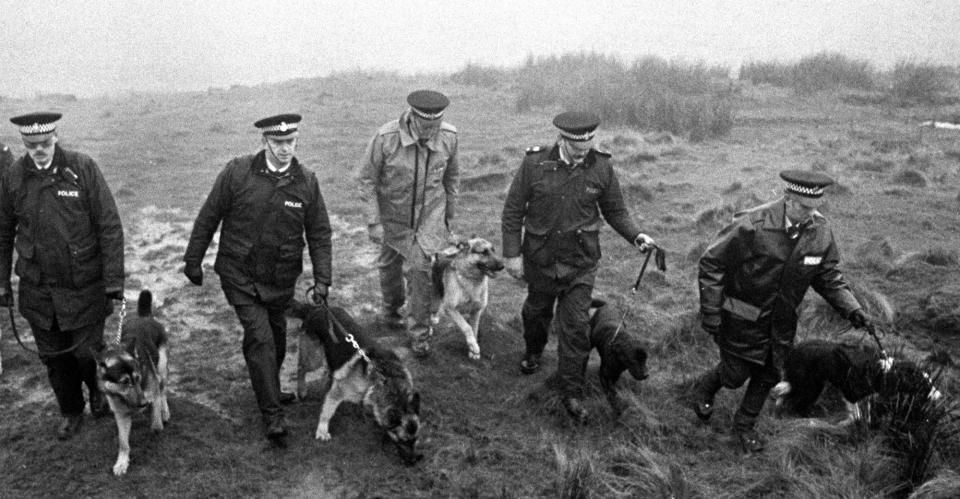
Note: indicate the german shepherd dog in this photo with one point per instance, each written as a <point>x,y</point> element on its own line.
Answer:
<point>461,278</point>
<point>619,351</point>
<point>374,376</point>
<point>858,372</point>
<point>133,375</point>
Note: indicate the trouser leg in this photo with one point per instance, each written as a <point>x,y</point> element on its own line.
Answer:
<point>390,265</point>
<point>536,315</point>
<point>707,385</point>
<point>573,338</point>
<point>416,269</point>
<point>69,371</point>
<point>762,380</point>
<point>260,354</point>
<point>278,327</point>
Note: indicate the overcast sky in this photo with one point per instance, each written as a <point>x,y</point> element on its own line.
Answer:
<point>89,47</point>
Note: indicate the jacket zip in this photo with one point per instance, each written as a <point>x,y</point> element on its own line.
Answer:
<point>416,173</point>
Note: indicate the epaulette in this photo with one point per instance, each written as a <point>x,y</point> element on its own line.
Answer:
<point>602,153</point>
<point>534,149</point>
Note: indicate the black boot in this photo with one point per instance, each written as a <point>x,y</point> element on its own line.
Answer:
<point>705,390</point>
<point>70,426</point>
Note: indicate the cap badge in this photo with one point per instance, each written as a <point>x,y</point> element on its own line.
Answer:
<point>283,126</point>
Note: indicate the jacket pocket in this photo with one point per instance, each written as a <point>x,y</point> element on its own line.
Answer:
<point>578,248</point>
<point>741,309</point>
<point>534,248</point>
<point>86,266</point>
<point>289,263</point>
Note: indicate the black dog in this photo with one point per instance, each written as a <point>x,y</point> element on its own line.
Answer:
<point>619,350</point>
<point>856,371</point>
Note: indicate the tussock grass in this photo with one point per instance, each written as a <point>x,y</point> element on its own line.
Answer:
<point>576,475</point>
<point>718,216</point>
<point>813,73</point>
<point>818,318</point>
<point>911,178</point>
<point>649,93</point>
<point>915,82</point>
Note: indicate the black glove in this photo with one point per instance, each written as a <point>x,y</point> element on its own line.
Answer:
<point>6,299</point>
<point>194,272</point>
<point>859,320</point>
<point>320,291</point>
<point>710,323</point>
<point>115,295</point>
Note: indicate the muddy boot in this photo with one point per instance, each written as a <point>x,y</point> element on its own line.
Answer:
<point>705,390</point>
<point>530,363</point>
<point>70,426</point>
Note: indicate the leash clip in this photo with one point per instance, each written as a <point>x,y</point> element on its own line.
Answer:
<point>123,314</point>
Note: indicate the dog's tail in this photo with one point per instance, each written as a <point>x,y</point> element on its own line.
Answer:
<point>145,304</point>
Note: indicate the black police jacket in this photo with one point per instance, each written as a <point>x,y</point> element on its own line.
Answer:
<point>559,210</point>
<point>267,222</point>
<point>64,224</point>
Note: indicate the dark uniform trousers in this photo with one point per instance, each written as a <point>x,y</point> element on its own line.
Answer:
<point>572,301</point>
<point>732,372</point>
<point>264,347</point>
<point>69,371</point>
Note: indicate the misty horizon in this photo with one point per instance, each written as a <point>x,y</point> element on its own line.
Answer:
<point>141,46</point>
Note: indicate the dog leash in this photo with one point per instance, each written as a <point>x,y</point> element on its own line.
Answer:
<point>16,334</point>
<point>123,314</point>
<point>337,325</point>
<point>661,263</point>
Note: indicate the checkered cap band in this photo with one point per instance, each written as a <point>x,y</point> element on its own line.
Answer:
<point>283,127</point>
<point>810,192</point>
<point>578,137</point>
<point>426,116</point>
<point>38,129</point>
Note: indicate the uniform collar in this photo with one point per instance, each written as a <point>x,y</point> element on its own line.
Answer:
<point>776,217</point>
<point>408,138</point>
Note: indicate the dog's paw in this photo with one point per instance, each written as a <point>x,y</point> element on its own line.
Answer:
<point>120,467</point>
<point>474,354</point>
<point>323,433</point>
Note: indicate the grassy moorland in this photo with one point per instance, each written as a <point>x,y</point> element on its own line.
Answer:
<point>490,432</point>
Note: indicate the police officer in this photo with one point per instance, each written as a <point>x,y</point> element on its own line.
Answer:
<point>552,217</point>
<point>59,214</point>
<point>6,158</point>
<point>270,207</point>
<point>409,184</point>
<point>752,279</point>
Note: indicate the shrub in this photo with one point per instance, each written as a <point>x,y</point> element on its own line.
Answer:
<point>919,82</point>
<point>650,93</point>
<point>479,76</point>
<point>814,73</point>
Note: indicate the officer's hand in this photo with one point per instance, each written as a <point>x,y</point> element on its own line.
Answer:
<point>116,294</point>
<point>643,242</point>
<point>514,266</point>
<point>194,272</point>
<point>860,320</point>
<point>6,298</point>
<point>710,323</point>
<point>375,233</point>
<point>320,292</point>
<point>454,239</point>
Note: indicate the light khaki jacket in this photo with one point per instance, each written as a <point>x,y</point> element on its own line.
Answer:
<point>410,189</point>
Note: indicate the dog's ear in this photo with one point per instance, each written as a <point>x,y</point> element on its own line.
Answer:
<point>414,403</point>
